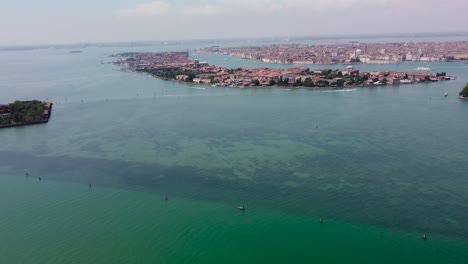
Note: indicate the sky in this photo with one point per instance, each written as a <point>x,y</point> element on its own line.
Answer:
<point>29,22</point>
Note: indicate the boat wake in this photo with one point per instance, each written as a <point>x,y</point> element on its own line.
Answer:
<point>198,88</point>
<point>423,69</point>
<point>340,91</point>
<point>197,95</point>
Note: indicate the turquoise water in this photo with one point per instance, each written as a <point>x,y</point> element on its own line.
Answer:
<point>382,166</point>
<point>52,222</point>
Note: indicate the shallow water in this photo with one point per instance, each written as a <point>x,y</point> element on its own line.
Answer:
<point>382,166</point>
<point>52,222</point>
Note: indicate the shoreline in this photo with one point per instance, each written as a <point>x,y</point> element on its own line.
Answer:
<point>24,124</point>
<point>281,87</point>
<point>178,67</point>
<point>267,61</point>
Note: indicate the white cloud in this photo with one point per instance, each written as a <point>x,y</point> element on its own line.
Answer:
<point>165,8</point>
<point>306,5</point>
<point>195,19</point>
<point>204,10</point>
<point>146,9</point>
<point>242,7</point>
<point>175,19</point>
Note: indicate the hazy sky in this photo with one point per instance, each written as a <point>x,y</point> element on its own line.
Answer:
<point>65,21</point>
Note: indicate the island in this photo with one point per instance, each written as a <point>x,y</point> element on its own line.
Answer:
<point>351,53</point>
<point>464,93</point>
<point>178,67</point>
<point>22,113</point>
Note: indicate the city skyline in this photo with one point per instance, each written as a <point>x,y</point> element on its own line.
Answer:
<point>57,22</point>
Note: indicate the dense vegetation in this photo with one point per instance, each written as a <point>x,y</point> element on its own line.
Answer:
<point>171,73</point>
<point>127,54</point>
<point>24,112</point>
<point>464,92</point>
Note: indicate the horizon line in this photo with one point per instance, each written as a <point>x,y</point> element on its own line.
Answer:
<point>289,38</point>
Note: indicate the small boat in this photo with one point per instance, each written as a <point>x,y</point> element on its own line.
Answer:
<point>446,94</point>
<point>241,207</point>
<point>423,69</point>
<point>406,81</point>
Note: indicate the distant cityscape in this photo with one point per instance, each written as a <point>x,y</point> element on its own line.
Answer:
<point>354,52</point>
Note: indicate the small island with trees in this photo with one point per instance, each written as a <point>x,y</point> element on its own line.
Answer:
<point>22,113</point>
<point>464,93</point>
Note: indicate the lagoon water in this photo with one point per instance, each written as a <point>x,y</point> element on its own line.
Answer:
<point>382,166</point>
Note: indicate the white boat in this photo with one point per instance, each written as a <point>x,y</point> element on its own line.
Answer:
<point>241,207</point>
<point>446,94</point>
<point>406,81</point>
<point>423,69</point>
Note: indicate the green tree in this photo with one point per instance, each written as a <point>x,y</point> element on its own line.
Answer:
<point>464,92</point>
<point>308,82</point>
<point>322,83</point>
<point>358,79</point>
<point>299,82</point>
<point>332,75</point>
